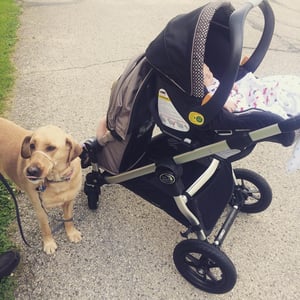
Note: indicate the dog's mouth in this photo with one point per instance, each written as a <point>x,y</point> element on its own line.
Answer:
<point>35,173</point>
<point>34,179</point>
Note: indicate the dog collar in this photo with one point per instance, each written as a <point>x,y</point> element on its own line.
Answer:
<point>42,187</point>
<point>64,178</point>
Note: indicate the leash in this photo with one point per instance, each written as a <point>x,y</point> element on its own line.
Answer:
<point>11,192</point>
<point>40,189</point>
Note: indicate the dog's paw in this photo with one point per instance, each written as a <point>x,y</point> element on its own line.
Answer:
<point>74,235</point>
<point>50,246</point>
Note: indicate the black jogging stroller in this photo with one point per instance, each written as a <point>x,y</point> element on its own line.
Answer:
<point>186,169</point>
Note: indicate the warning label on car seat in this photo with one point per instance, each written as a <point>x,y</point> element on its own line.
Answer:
<point>168,114</point>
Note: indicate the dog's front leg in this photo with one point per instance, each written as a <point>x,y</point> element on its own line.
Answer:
<point>49,243</point>
<point>73,234</point>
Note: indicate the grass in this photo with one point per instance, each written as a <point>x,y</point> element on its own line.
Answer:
<point>7,213</point>
<point>9,20</point>
<point>9,12</point>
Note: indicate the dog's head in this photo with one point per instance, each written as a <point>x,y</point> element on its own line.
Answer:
<point>49,150</point>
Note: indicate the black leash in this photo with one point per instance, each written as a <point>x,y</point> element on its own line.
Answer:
<point>39,190</point>
<point>11,192</point>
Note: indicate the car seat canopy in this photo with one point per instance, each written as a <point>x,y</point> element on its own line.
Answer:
<point>187,42</point>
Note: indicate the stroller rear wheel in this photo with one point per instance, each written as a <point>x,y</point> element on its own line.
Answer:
<point>205,266</point>
<point>255,189</point>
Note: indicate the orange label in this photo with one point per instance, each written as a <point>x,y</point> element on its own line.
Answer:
<point>206,99</point>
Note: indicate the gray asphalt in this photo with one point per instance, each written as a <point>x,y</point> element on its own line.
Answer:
<point>68,54</point>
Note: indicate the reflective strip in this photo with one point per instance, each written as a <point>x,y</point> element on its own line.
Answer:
<point>198,48</point>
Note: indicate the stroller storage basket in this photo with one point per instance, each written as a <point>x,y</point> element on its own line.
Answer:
<point>207,204</point>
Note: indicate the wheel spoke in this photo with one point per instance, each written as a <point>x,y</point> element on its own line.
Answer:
<point>208,268</point>
<point>250,191</point>
<point>253,191</point>
<point>255,197</point>
<point>214,271</point>
<point>191,260</point>
<point>254,194</point>
<point>242,183</point>
<point>211,276</point>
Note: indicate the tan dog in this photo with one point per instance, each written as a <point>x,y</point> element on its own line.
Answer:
<point>45,164</point>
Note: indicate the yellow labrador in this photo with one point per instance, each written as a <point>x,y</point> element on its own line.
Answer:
<point>45,164</point>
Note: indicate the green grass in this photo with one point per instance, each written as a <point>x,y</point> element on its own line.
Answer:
<point>9,12</point>
<point>9,20</point>
<point>7,214</point>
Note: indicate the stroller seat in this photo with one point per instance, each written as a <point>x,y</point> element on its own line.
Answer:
<point>122,155</point>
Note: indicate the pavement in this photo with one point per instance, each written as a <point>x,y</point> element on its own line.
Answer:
<point>67,55</point>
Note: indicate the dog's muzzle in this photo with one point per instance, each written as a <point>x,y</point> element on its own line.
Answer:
<point>33,173</point>
<point>36,170</point>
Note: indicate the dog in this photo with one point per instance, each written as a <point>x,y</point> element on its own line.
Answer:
<point>45,164</point>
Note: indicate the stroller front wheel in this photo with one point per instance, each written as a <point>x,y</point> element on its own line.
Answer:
<point>92,189</point>
<point>255,189</point>
<point>205,266</point>
<point>93,199</point>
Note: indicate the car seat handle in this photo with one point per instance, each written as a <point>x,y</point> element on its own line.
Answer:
<point>236,23</point>
<point>255,2</point>
<point>234,70</point>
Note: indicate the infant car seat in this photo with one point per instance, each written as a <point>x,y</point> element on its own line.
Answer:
<point>208,35</point>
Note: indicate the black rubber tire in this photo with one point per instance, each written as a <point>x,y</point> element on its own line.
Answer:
<point>93,200</point>
<point>205,266</point>
<point>256,189</point>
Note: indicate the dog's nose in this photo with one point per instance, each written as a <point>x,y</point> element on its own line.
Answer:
<point>33,171</point>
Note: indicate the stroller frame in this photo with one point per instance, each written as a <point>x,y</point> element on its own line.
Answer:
<point>200,272</point>
<point>176,175</point>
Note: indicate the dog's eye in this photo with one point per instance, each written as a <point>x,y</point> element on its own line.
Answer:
<point>32,146</point>
<point>50,148</point>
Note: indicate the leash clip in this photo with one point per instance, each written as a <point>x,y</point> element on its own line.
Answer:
<point>41,188</point>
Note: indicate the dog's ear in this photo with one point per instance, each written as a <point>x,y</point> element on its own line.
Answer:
<point>25,148</point>
<point>75,149</point>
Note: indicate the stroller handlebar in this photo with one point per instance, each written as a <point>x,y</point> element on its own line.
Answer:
<point>268,133</point>
<point>285,126</point>
<point>290,124</point>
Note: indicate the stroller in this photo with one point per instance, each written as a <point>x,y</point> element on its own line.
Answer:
<point>186,169</point>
